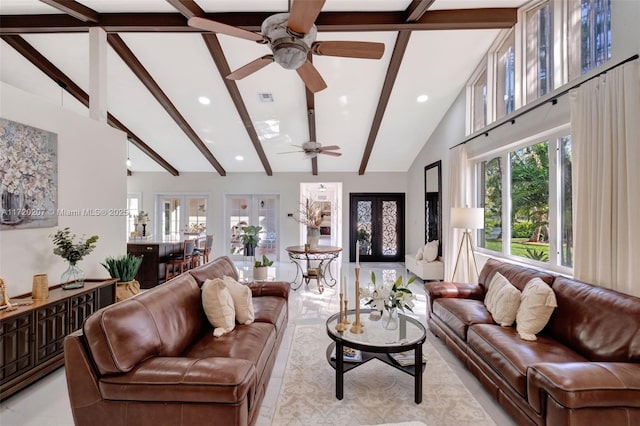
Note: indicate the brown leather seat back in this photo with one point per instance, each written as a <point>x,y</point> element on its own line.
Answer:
<point>517,275</point>
<point>160,322</point>
<point>598,323</point>
<point>217,268</point>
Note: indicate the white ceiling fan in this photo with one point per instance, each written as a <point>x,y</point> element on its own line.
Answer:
<point>291,36</point>
<point>312,149</point>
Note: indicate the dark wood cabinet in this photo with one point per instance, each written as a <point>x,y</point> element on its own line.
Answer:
<point>153,268</point>
<point>32,337</point>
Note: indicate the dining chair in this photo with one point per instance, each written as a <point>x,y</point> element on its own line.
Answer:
<point>182,261</point>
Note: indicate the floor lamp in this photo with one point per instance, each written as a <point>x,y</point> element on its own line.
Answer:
<point>467,218</point>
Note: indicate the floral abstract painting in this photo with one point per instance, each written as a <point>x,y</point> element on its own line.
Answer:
<point>28,176</point>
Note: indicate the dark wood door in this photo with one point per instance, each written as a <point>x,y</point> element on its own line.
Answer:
<point>377,222</point>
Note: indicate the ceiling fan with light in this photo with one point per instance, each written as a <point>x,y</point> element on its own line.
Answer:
<point>312,149</point>
<point>291,36</point>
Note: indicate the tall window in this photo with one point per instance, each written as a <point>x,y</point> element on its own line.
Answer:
<point>491,196</point>
<point>539,51</point>
<point>134,205</point>
<point>589,35</point>
<point>532,219</point>
<point>479,101</point>
<point>506,77</point>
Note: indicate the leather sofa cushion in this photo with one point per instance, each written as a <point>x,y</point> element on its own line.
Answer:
<point>124,334</point>
<point>517,275</point>
<point>253,342</point>
<point>272,310</point>
<point>458,314</point>
<point>601,324</point>
<point>175,379</point>
<point>217,268</point>
<point>509,356</point>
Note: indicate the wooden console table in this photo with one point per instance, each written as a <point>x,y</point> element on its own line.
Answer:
<point>32,337</point>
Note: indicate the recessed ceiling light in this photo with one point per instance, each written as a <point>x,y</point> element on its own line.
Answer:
<point>422,98</point>
<point>239,157</point>
<point>204,100</point>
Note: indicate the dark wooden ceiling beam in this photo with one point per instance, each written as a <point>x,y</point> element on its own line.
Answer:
<point>417,9</point>
<point>213,44</point>
<point>188,8</point>
<point>75,9</point>
<point>392,72</point>
<point>120,47</point>
<point>62,80</point>
<point>457,19</point>
<point>311,121</point>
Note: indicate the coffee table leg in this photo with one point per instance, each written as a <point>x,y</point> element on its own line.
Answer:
<point>418,374</point>
<point>339,370</point>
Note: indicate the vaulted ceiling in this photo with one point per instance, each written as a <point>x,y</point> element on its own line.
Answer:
<point>159,67</point>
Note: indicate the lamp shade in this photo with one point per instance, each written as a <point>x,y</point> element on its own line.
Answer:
<point>467,218</point>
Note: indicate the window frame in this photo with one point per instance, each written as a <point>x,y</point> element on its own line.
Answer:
<point>554,137</point>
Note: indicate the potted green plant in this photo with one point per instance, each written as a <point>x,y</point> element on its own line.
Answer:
<point>72,252</point>
<point>250,239</point>
<point>261,268</point>
<point>124,269</point>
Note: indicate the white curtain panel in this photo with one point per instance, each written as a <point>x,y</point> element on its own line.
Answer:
<point>605,128</point>
<point>459,196</point>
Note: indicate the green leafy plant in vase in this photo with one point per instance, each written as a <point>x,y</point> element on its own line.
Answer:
<point>261,268</point>
<point>250,239</point>
<point>72,252</point>
<point>388,299</point>
<point>124,268</point>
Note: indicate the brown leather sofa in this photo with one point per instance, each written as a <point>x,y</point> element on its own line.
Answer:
<point>584,367</point>
<point>152,359</point>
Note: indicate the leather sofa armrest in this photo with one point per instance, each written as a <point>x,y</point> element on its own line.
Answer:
<point>270,288</point>
<point>436,290</point>
<point>584,384</point>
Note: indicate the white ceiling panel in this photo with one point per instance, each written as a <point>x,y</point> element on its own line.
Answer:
<point>29,7</point>
<point>430,68</point>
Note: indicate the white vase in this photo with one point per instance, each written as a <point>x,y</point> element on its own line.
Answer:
<point>390,319</point>
<point>260,273</point>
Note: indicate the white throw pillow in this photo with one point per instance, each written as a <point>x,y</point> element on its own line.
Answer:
<point>430,252</point>
<point>242,300</point>
<point>495,285</point>
<point>507,302</point>
<point>419,254</point>
<point>536,306</point>
<point>218,306</point>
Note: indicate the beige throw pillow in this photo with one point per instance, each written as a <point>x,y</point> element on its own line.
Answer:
<point>242,300</point>
<point>536,306</point>
<point>503,300</point>
<point>430,252</point>
<point>420,254</point>
<point>218,306</point>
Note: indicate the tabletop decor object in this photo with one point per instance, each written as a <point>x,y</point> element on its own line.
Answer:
<point>40,290</point>
<point>72,252</point>
<point>124,268</point>
<point>310,215</point>
<point>388,299</point>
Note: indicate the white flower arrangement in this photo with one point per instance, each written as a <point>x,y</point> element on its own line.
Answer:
<point>388,297</point>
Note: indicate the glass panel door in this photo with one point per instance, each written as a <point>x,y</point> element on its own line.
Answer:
<point>377,223</point>
<point>256,210</point>
<point>180,216</point>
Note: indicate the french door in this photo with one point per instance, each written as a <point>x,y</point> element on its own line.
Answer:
<point>377,222</point>
<point>249,209</point>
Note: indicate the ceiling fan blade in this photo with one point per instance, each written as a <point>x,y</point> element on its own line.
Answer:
<point>349,49</point>
<point>250,68</point>
<point>303,14</point>
<point>289,152</point>
<point>335,154</point>
<point>329,147</point>
<point>218,27</point>
<point>311,77</point>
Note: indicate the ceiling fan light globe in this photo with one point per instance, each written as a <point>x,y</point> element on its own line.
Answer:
<point>290,56</point>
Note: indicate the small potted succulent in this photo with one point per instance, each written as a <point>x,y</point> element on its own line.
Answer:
<point>124,269</point>
<point>261,268</point>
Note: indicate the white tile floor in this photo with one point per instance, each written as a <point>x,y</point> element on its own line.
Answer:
<point>46,403</point>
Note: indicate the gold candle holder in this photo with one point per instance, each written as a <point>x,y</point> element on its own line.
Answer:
<point>357,328</point>
<point>340,325</point>
<point>345,320</point>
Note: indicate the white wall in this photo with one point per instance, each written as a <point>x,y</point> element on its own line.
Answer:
<point>91,175</point>
<point>286,185</point>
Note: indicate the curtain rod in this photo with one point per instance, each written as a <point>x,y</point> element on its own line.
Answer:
<point>553,100</point>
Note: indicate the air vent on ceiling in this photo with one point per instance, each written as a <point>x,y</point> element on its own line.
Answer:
<point>265,97</point>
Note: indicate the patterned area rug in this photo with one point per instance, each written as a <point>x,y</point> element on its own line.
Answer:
<point>374,393</point>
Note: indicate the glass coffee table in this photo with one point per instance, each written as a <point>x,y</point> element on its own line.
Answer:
<point>377,343</point>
